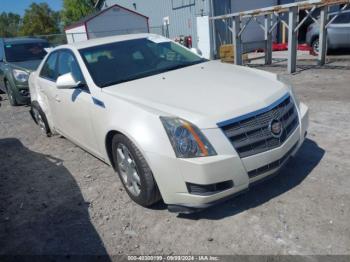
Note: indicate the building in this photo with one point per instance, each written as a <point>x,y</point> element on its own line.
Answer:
<point>113,20</point>
<point>176,18</point>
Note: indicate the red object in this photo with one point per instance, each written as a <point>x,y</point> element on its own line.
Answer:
<point>304,47</point>
<point>284,47</point>
<point>189,42</point>
<point>279,47</point>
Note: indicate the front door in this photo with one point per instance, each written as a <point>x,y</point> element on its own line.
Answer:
<point>72,107</point>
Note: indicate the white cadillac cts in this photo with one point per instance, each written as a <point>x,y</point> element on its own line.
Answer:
<point>172,124</point>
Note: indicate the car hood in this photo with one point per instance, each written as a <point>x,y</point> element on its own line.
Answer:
<point>26,65</point>
<point>203,94</point>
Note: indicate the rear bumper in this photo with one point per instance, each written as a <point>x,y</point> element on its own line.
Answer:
<point>173,175</point>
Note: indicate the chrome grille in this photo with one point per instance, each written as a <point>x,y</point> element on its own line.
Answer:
<point>251,135</point>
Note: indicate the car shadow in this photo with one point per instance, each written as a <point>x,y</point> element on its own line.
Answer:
<point>297,169</point>
<point>42,210</point>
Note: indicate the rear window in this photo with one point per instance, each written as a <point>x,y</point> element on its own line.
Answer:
<point>25,51</point>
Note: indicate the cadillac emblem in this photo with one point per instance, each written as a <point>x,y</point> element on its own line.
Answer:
<point>276,128</point>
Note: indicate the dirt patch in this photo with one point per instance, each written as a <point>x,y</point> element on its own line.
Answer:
<point>57,199</point>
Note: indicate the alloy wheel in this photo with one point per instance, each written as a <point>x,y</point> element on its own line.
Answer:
<point>316,46</point>
<point>39,120</point>
<point>128,170</point>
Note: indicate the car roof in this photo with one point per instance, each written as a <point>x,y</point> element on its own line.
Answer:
<point>104,40</point>
<point>23,40</point>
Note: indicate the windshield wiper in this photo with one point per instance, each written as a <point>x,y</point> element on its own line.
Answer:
<point>121,81</point>
<point>183,65</point>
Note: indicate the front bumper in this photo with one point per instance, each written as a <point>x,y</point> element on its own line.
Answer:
<point>21,93</point>
<point>226,166</point>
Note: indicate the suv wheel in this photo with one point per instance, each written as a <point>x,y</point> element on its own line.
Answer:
<point>134,172</point>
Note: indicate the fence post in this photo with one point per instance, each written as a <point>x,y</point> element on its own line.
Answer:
<point>323,36</point>
<point>237,40</point>
<point>268,40</point>
<point>292,40</point>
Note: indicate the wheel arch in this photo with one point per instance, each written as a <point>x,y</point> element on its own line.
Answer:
<point>108,145</point>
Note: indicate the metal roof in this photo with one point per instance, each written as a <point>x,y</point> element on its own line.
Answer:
<point>86,19</point>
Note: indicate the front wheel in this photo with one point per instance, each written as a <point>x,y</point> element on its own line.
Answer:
<point>134,172</point>
<point>316,46</point>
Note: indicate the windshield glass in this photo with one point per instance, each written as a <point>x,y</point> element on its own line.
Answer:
<point>25,51</point>
<point>133,59</point>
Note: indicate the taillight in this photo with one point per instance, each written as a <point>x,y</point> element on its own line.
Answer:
<point>189,41</point>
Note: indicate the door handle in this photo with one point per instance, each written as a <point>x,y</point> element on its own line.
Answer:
<point>57,99</point>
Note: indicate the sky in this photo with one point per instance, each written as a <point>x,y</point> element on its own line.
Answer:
<point>18,6</point>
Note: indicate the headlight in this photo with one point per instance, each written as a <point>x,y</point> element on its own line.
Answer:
<point>186,139</point>
<point>20,75</point>
<point>290,87</point>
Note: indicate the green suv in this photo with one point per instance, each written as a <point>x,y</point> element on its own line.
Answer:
<point>18,58</point>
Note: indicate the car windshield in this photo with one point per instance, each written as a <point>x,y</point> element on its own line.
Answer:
<point>25,51</point>
<point>124,61</point>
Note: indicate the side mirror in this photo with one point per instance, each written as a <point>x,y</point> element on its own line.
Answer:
<point>66,81</point>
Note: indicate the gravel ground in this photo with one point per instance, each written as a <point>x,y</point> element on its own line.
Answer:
<point>57,199</point>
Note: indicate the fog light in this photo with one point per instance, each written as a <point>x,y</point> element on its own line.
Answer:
<point>24,92</point>
<point>207,190</point>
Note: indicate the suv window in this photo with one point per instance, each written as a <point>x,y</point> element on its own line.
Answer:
<point>49,70</point>
<point>342,18</point>
<point>19,52</point>
<point>68,64</point>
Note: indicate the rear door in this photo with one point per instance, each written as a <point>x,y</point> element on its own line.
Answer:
<point>339,31</point>
<point>47,85</point>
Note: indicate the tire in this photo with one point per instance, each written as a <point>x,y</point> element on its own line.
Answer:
<point>40,119</point>
<point>10,95</point>
<point>316,45</point>
<point>148,193</point>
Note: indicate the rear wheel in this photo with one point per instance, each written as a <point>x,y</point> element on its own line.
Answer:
<point>134,172</point>
<point>10,94</point>
<point>40,119</point>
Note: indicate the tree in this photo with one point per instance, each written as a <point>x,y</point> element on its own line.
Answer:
<point>40,19</point>
<point>9,24</point>
<point>74,10</point>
